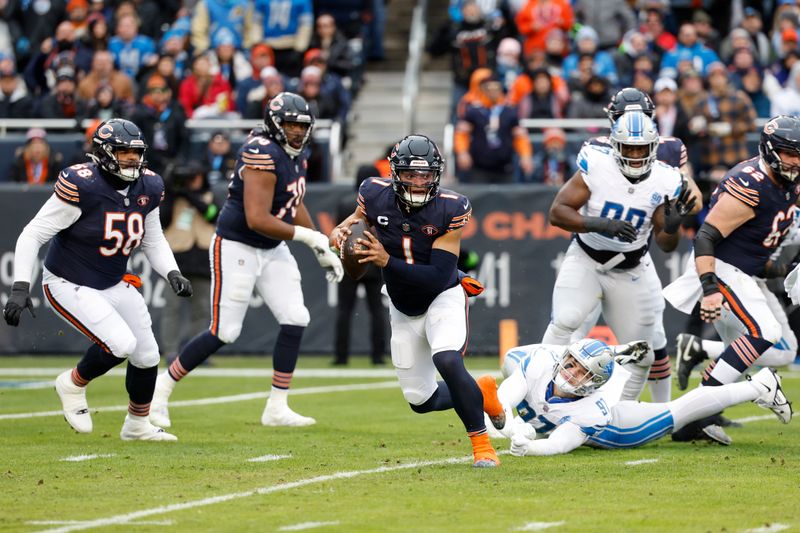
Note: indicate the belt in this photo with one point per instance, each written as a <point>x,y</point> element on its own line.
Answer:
<point>630,259</point>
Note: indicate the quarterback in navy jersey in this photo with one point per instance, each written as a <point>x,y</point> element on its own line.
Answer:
<point>98,214</point>
<point>752,209</point>
<point>418,237</point>
<point>248,251</point>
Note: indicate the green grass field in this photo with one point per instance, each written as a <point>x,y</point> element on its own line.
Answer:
<point>370,464</point>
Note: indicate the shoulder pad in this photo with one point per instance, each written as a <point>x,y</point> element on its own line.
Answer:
<point>71,181</point>
<point>458,207</point>
<point>369,188</point>
<point>744,184</point>
<point>260,153</point>
<point>586,153</point>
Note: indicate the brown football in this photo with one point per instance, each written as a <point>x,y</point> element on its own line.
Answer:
<point>349,258</point>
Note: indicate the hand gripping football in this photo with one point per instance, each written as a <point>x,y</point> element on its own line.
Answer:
<point>348,255</point>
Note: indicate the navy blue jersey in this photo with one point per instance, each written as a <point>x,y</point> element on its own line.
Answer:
<point>410,236</point>
<point>94,251</point>
<point>260,152</point>
<point>671,150</point>
<point>749,246</point>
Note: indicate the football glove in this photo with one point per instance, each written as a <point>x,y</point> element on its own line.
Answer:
<point>320,245</point>
<point>520,444</point>
<point>611,227</point>
<point>471,286</point>
<point>632,352</point>
<point>180,285</point>
<point>19,300</point>
<point>675,210</point>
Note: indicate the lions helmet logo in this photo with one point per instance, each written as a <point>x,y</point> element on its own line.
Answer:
<point>143,200</point>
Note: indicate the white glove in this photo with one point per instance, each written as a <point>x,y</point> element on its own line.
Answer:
<point>633,352</point>
<point>792,286</point>
<point>520,445</point>
<point>720,129</point>
<point>326,257</point>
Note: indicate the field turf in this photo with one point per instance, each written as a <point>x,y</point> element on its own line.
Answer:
<point>370,464</point>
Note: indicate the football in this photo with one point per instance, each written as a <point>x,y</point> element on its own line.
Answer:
<point>352,267</point>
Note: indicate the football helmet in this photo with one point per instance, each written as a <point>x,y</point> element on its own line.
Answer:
<point>585,366</point>
<point>781,134</point>
<point>118,134</point>
<point>629,99</point>
<point>634,129</point>
<point>416,164</point>
<point>288,107</point>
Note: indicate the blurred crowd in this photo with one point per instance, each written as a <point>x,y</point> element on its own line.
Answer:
<point>710,76</point>
<point>159,63</point>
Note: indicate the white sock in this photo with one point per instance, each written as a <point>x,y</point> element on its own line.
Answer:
<point>660,390</point>
<point>713,348</point>
<point>725,373</point>
<point>635,384</point>
<point>168,383</point>
<point>137,419</point>
<point>278,398</point>
<point>705,401</point>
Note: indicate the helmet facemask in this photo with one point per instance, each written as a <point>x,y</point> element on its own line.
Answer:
<point>286,138</point>
<point>415,187</point>
<point>126,170</point>
<point>785,171</point>
<point>631,131</point>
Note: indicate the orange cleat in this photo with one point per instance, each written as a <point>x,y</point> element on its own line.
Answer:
<point>491,403</point>
<point>483,453</point>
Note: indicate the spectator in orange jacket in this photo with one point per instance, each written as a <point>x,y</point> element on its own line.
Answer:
<point>537,17</point>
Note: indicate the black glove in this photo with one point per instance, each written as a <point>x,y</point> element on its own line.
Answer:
<point>675,210</point>
<point>19,300</point>
<point>611,227</point>
<point>180,285</point>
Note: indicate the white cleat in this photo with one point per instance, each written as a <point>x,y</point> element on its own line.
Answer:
<point>772,396</point>
<point>284,416</point>
<point>142,429</point>
<point>159,410</point>
<point>73,402</point>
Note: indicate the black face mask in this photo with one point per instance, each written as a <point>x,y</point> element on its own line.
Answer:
<point>64,45</point>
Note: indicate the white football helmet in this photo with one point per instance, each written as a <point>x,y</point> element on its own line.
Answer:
<point>585,366</point>
<point>632,130</point>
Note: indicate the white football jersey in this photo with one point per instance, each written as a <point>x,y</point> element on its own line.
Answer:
<point>544,411</point>
<point>613,196</point>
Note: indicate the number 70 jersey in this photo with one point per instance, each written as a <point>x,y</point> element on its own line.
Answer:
<point>613,196</point>
<point>259,152</point>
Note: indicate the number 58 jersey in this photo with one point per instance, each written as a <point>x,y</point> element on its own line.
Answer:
<point>613,196</point>
<point>259,152</point>
<point>94,251</point>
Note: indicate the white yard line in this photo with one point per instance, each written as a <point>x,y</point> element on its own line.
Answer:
<point>641,462</point>
<point>128,517</point>
<point>220,399</point>
<point>241,372</point>
<point>769,528</point>
<point>78,522</point>
<point>88,457</point>
<point>747,419</point>
<point>307,525</point>
<point>538,526</point>
<point>26,385</point>
<point>267,458</point>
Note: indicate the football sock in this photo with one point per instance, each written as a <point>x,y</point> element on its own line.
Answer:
<point>284,357</point>
<point>713,349</point>
<point>95,362</point>
<point>466,396</point>
<point>705,401</point>
<point>140,383</point>
<point>481,445</point>
<point>735,359</point>
<point>195,352</point>
<point>658,380</point>
<point>440,400</point>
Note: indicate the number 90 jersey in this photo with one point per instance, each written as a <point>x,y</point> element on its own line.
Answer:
<point>94,251</point>
<point>613,196</point>
<point>259,152</point>
<point>749,246</point>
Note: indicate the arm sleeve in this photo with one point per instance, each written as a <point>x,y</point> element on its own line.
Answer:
<point>156,247</point>
<point>432,277</point>
<point>54,216</point>
<point>563,439</point>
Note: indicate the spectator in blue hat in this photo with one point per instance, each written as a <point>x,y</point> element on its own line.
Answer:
<point>174,43</point>
<point>237,16</point>
<point>586,41</point>
<point>231,63</point>
<point>131,51</point>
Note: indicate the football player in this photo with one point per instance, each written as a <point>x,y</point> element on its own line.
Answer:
<point>573,396</point>
<point>264,209</point>
<point>416,244</point>
<point>751,211</point>
<point>99,213</point>
<point>620,196</point>
<point>671,151</point>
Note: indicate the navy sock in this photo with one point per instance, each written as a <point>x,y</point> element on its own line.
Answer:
<point>661,368</point>
<point>194,353</point>
<point>95,362</point>
<point>466,396</point>
<point>140,383</point>
<point>740,355</point>
<point>440,400</point>
<point>284,357</point>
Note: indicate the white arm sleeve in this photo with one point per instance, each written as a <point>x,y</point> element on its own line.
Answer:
<point>563,439</point>
<point>156,247</point>
<point>54,216</point>
<point>513,389</point>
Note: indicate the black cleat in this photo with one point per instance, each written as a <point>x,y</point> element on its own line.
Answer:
<point>689,353</point>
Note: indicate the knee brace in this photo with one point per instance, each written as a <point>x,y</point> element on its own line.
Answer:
<point>228,333</point>
<point>295,314</point>
<point>567,320</point>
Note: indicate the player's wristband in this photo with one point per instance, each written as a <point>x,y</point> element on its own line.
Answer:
<point>710,283</point>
